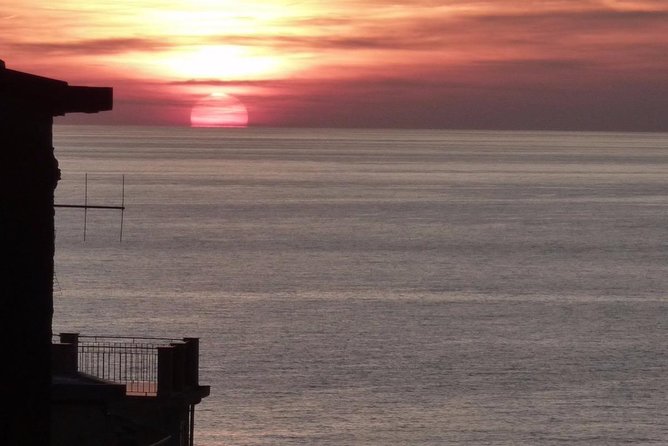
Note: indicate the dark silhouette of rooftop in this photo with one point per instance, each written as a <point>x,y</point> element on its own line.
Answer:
<point>28,176</point>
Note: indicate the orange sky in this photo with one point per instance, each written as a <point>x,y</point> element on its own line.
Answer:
<point>497,64</point>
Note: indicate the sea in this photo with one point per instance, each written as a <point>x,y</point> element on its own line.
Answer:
<point>382,287</point>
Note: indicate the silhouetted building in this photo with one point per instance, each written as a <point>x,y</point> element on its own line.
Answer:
<point>28,176</point>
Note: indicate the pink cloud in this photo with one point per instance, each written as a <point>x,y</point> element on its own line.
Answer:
<point>427,63</point>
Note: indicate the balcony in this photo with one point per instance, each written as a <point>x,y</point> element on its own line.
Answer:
<point>148,367</point>
<point>142,390</point>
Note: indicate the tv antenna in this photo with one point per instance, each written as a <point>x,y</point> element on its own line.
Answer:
<point>87,206</point>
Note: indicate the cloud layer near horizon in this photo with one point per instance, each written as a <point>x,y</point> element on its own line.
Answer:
<point>570,64</point>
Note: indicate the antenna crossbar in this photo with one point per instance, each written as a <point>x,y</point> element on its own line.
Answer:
<point>87,206</point>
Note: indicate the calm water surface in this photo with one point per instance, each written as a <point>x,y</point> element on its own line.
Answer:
<point>383,287</point>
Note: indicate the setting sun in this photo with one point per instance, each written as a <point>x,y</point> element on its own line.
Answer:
<point>508,64</point>
<point>219,110</point>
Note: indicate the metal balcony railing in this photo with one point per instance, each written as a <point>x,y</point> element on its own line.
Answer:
<point>146,366</point>
<point>129,361</point>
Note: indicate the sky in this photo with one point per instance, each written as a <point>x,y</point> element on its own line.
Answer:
<point>451,64</point>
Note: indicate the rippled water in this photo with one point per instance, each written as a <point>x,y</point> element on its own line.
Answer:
<point>383,287</point>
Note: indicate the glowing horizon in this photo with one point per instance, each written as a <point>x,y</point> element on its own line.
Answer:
<point>460,64</point>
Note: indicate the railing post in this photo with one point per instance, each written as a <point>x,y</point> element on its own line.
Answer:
<point>65,355</point>
<point>165,370</point>
<point>69,338</point>
<point>192,362</point>
<point>64,359</point>
<point>179,366</point>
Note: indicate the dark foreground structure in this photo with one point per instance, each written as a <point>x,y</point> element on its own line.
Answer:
<point>28,177</point>
<point>125,391</point>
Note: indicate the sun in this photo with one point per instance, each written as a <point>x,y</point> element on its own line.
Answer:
<point>219,110</point>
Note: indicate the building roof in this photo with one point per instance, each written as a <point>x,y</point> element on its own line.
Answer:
<point>29,93</point>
